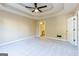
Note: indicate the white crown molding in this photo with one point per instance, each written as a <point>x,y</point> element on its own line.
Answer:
<point>26,13</point>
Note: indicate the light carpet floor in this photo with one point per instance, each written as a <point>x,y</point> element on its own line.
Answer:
<point>39,47</point>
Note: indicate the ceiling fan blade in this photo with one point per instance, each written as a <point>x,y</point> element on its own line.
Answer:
<point>29,7</point>
<point>42,7</point>
<point>33,11</point>
<point>39,10</point>
<point>35,4</point>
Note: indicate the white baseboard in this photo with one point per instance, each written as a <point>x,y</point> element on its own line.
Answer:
<point>47,37</point>
<point>56,38</point>
<point>10,42</point>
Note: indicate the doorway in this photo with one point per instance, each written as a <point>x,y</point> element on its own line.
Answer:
<point>42,29</point>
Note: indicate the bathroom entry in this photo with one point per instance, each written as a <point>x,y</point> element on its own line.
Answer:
<point>42,29</point>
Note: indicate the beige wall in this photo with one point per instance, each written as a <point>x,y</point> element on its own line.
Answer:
<point>61,25</point>
<point>37,28</point>
<point>56,25</point>
<point>14,27</point>
<point>50,27</point>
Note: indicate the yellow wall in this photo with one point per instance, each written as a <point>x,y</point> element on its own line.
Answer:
<point>14,27</point>
<point>42,28</point>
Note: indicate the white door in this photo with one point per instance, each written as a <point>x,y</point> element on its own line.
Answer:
<point>72,30</point>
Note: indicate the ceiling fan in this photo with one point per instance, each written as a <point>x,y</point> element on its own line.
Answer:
<point>36,8</point>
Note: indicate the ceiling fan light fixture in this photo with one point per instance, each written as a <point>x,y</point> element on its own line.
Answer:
<point>36,10</point>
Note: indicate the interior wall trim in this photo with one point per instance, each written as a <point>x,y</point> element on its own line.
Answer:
<point>10,42</point>
<point>47,37</point>
<point>57,38</point>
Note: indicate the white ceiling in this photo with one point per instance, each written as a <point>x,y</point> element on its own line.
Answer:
<point>52,9</point>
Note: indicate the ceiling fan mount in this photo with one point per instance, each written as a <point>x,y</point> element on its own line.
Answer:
<point>36,8</point>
